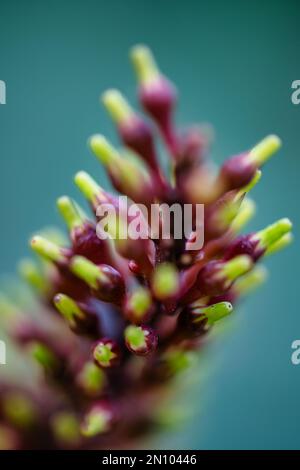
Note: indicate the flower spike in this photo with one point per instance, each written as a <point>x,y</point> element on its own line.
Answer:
<point>136,300</point>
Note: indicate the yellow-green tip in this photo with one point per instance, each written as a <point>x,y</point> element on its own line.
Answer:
<point>271,234</point>
<point>135,337</point>
<point>236,267</point>
<point>87,271</point>
<point>280,244</point>
<point>104,354</point>
<point>31,273</point>
<point>70,212</point>
<point>66,428</point>
<point>139,302</point>
<point>18,409</point>
<point>95,422</point>
<point>103,150</point>
<point>91,379</point>
<point>118,108</point>
<point>43,355</point>
<point>47,249</point>
<point>144,64</point>
<point>246,212</point>
<point>251,281</point>
<point>214,312</point>
<point>261,152</point>
<point>165,281</point>
<point>68,308</point>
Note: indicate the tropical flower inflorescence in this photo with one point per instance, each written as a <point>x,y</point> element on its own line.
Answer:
<point>118,318</point>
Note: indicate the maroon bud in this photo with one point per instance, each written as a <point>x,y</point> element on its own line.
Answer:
<point>106,282</point>
<point>216,277</point>
<point>87,243</point>
<point>244,245</point>
<point>157,95</point>
<point>237,172</point>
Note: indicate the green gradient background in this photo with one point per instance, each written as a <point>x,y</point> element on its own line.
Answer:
<point>233,63</point>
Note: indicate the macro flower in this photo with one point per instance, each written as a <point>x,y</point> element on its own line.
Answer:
<point>117,318</point>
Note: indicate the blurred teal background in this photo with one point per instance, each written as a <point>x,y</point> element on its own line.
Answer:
<point>234,63</point>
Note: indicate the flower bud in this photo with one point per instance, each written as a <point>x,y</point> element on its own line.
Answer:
<point>104,280</point>
<point>49,250</point>
<point>165,281</point>
<point>134,131</point>
<point>255,245</point>
<point>90,189</point>
<point>157,95</point>
<point>212,313</point>
<point>239,170</point>
<point>217,276</point>
<point>34,276</point>
<point>128,176</point>
<point>79,319</point>
<point>106,353</point>
<point>91,379</point>
<point>98,419</point>
<point>140,340</point>
<point>66,428</point>
<point>138,306</point>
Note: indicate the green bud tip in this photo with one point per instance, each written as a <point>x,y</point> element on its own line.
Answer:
<point>213,313</point>
<point>246,213</point>
<point>273,233</point>
<point>118,108</point>
<point>139,302</point>
<point>261,153</point>
<point>69,211</point>
<point>7,308</point>
<point>43,355</point>
<point>236,267</point>
<point>87,271</point>
<point>47,249</point>
<point>103,150</point>
<point>104,354</point>
<point>30,272</point>
<point>89,188</point>
<point>18,409</point>
<point>135,337</point>
<point>68,308</point>
<point>280,244</point>
<point>91,379</point>
<point>165,281</point>
<point>97,421</point>
<point>65,427</point>
<point>251,280</point>
<point>179,360</point>
<point>144,64</point>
